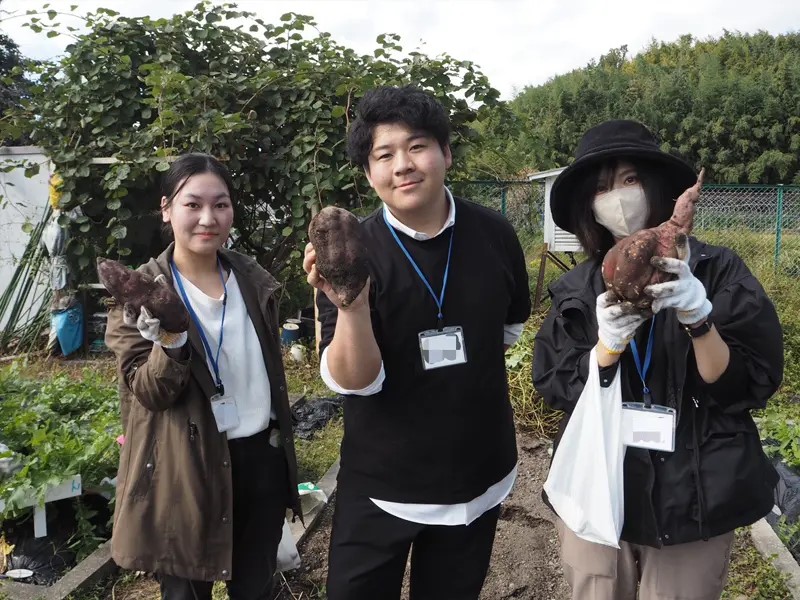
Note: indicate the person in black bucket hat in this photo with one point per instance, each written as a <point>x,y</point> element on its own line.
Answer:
<point>617,139</point>
<point>708,351</point>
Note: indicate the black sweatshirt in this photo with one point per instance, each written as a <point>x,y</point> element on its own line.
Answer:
<point>441,436</point>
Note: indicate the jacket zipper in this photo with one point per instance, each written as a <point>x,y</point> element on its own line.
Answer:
<point>701,498</point>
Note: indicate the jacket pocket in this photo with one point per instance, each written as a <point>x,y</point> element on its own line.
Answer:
<point>735,475</point>
<point>146,472</point>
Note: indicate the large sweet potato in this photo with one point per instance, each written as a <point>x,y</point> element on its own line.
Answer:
<point>626,267</point>
<point>341,253</point>
<point>133,289</point>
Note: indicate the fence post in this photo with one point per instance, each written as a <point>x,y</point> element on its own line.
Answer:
<point>503,201</point>
<point>779,225</point>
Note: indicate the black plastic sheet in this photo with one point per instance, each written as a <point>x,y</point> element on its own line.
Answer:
<point>310,416</point>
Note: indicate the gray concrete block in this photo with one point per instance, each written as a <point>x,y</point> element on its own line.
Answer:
<point>769,544</point>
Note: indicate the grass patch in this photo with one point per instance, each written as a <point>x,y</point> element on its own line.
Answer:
<point>315,456</point>
<point>753,577</point>
<point>530,411</point>
<point>303,378</point>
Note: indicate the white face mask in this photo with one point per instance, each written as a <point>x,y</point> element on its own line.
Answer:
<point>622,211</point>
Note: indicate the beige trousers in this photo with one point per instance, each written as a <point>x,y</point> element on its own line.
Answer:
<point>693,571</point>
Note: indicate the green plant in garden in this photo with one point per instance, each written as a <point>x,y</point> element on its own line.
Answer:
<point>55,429</point>
<point>271,100</point>
<point>751,575</point>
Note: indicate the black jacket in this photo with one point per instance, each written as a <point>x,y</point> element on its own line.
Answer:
<point>718,478</point>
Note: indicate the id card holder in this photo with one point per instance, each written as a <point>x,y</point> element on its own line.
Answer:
<point>442,348</point>
<point>651,428</point>
<point>225,412</point>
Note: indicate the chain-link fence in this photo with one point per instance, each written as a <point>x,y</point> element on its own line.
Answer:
<point>760,222</point>
<point>522,202</point>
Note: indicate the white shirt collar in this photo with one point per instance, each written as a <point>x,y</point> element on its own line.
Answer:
<point>418,235</point>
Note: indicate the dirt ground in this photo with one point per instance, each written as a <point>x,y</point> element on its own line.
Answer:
<point>524,561</point>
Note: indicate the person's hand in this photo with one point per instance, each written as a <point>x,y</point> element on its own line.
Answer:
<point>686,294</point>
<point>316,280</point>
<point>150,328</point>
<point>617,322</point>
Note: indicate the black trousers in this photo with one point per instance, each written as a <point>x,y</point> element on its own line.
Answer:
<point>260,495</point>
<point>369,550</point>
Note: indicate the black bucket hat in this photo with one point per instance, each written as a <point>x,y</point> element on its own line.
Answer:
<point>615,139</point>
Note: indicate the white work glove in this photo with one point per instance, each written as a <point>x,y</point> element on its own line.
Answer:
<point>685,294</point>
<point>150,328</point>
<point>617,322</point>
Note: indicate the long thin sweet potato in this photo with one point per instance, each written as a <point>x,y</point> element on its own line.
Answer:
<point>626,267</point>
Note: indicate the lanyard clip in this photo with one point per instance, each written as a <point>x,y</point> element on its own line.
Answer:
<point>648,400</point>
<point>220,389</point>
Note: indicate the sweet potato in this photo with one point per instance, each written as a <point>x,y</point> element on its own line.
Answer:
<point>341,253</point>
<point>626,267</point>
<point>133,289</point>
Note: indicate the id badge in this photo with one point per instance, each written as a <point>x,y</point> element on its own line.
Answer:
<point>442,348</point>
<point>650,428</point>
<point>225,413</point>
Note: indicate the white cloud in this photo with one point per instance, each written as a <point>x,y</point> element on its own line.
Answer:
<point>516,42</point>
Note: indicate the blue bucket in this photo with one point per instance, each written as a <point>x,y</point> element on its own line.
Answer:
<point>290,333</point>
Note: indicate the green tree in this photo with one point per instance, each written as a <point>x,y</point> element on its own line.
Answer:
<point>729,104</point>
<point>13,85</point>
<point>271,100</point>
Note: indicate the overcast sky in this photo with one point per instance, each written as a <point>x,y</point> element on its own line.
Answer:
<point>516,43</point>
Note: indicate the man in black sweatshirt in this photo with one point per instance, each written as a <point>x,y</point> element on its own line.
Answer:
<point>429,449</point>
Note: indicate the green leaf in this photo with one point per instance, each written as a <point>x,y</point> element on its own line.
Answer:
<point>338,111</point>
<point>53,34</point>
<point>113,204</point>
<point>119,232</point>
<point>287,231</point>
<point>162,166</point>
<point>27,227</point>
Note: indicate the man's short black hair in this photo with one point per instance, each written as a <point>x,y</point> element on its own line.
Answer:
<point>408,105</point>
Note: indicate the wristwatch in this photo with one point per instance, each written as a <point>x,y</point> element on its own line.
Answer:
<point>699,330</point>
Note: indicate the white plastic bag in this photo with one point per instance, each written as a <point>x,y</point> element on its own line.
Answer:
<point>584,485</point>
<point>288,556</point>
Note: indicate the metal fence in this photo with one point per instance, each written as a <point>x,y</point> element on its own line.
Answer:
<point>760,222</point>
<point>522,202</point>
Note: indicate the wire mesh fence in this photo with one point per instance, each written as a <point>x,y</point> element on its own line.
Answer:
<point>759,222</point>
<point>522,202</point>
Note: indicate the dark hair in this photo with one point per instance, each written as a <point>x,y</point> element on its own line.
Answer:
<point>190,164</point>
<point>409,105</point>
<point>595,239</point>
<point>182,168</point>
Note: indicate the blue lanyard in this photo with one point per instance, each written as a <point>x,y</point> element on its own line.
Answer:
<point>440,299</point>
<point>648,356</point>
<point>214,359</point>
